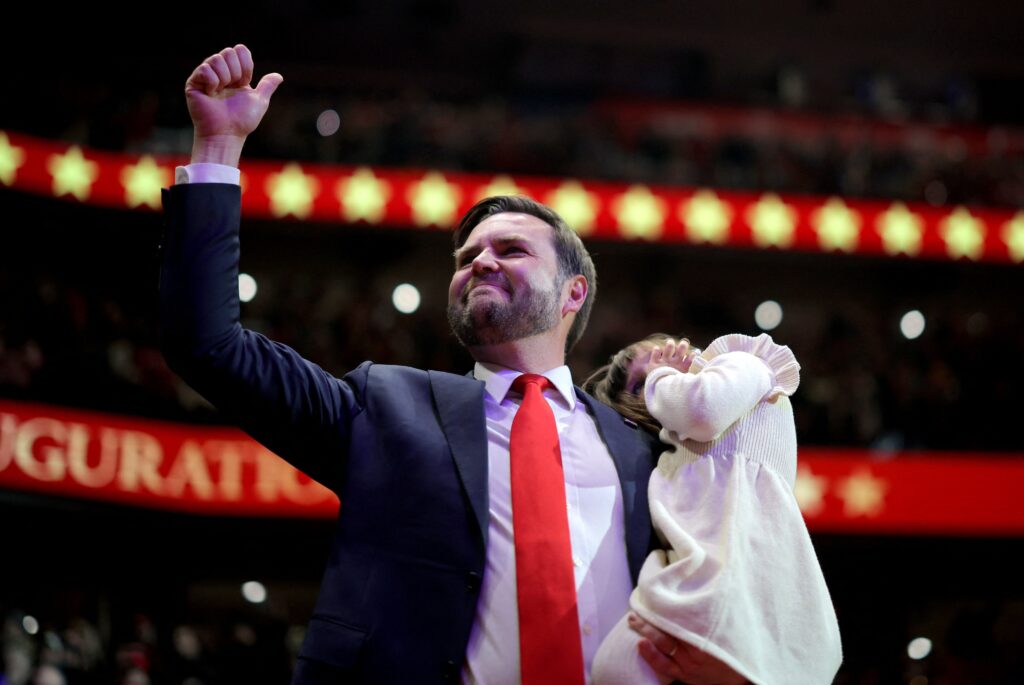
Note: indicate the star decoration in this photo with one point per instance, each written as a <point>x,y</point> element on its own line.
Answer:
<point>1013,234</point>
<point>434,201</point>
<point>772,221</point>
<point>11,158</point>
<point>640,213</point>
<point>576,205</point>
<point>901,230</point>
<point>72,173</point>
<point>363,196</point>
<point>810,491</point>
<point>862,494</point>
<point>706,218</point>
<point>838,226</point>
<point>964,234</point>
<point>292,192</point>
<point>142,182</point>
<point>501,185</point>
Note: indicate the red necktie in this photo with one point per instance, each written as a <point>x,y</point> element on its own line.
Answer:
<point>549,628</point>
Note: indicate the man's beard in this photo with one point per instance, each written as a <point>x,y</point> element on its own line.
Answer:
<point>498,321</point>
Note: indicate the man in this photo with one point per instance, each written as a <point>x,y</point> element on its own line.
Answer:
<point>424,582</point>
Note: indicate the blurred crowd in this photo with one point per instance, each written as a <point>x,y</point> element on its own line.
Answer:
<point>73,336</point>
<point>73,652</point>
<point>755,149</point>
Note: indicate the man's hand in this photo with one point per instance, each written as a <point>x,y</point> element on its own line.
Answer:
<point>677,660</point>
<point>223,106</point>
<point>677,354</point>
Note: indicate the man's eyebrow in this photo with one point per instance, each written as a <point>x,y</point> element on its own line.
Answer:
<point>500,241</point>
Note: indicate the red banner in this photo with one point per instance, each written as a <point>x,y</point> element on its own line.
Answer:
<point>619,211</point>
<point>200,469</point>
<point>222,471</point>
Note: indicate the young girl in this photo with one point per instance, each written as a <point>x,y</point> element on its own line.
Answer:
<point>738,578</point>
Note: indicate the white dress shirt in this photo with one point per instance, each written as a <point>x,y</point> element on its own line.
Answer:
<point>593,497</point>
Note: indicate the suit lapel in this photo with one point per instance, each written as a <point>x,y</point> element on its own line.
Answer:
<point>634,460</point>
<point>460,404</point>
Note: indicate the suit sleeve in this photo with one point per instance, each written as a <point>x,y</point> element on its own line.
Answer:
<point>291,405</point>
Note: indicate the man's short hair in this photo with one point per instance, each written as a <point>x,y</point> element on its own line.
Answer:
<point>573,258</point>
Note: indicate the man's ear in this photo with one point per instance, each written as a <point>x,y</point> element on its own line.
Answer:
<point>576,294</point>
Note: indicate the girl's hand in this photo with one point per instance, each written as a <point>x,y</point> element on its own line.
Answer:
<point>677,354</point>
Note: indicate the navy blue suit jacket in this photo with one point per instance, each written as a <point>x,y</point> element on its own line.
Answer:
<point>404,449</point>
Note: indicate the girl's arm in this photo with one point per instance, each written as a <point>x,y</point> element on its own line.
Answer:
<point>723,384</point>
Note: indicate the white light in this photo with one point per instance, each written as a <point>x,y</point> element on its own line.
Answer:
<point>768,315</point>
<point>254,591</point>
<point>246,287</point>
<point>30,624</point>
<point>406,298</point>
<point>912,324</point>
<point>919,648</point>
<point>328,122</point>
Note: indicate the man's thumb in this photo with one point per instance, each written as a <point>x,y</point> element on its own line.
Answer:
<point>268,84</point>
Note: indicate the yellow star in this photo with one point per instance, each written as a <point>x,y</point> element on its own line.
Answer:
<point>577,206</point>
<point>363,196</point>
<point>1013,234</point>
<point>964,234</point>
<point>810,491</point>
<point>292,192</point>
<point>10,159</point>
<point>72,173</point>
<point>901,230</point>
<point>434,201</point>
<point>142,182</point>
<point>501,185</point>
<point>838,226</point>
<point>863,494</point>
<point>706,218</point>
<point>640,213</point>
<point>773,222</point>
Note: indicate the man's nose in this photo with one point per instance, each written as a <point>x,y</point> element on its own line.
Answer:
<point>484,262</point>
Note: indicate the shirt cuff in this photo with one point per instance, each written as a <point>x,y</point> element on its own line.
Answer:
<point>206,172</point>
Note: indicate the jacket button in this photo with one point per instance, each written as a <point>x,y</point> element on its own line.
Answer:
<point>472,581</point>
<point>450,671</point>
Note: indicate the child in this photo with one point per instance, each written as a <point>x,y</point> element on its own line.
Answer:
<point>738,578</point>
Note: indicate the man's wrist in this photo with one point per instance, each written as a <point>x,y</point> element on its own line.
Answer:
<point>225,150</point>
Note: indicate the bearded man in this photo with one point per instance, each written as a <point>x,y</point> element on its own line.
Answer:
<point>430,579</point>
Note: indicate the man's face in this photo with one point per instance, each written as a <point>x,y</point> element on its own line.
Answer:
<point>506,285</point>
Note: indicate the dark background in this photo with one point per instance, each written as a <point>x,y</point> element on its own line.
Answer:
<point>529,88</point>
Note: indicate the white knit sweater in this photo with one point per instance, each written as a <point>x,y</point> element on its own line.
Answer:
<point>739,578</point>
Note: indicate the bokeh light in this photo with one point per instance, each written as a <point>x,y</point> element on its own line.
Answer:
<point>328,123</point>
<point>919,648</point>
<point>254,591</point>
<point>768,315</point>
<point>912,324</point>
<point>406,298</point>
<point>246,287</point>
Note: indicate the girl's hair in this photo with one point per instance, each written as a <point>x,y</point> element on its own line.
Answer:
<point>608,383</point>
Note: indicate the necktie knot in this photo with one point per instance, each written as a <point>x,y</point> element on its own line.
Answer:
<point>520,383</point>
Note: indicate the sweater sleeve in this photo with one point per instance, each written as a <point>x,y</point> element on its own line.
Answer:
<point>723,384</point>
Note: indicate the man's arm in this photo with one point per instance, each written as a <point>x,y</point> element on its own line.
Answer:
<point>289,404</point>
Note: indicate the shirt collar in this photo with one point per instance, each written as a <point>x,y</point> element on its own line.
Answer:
<point>498,381</point>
